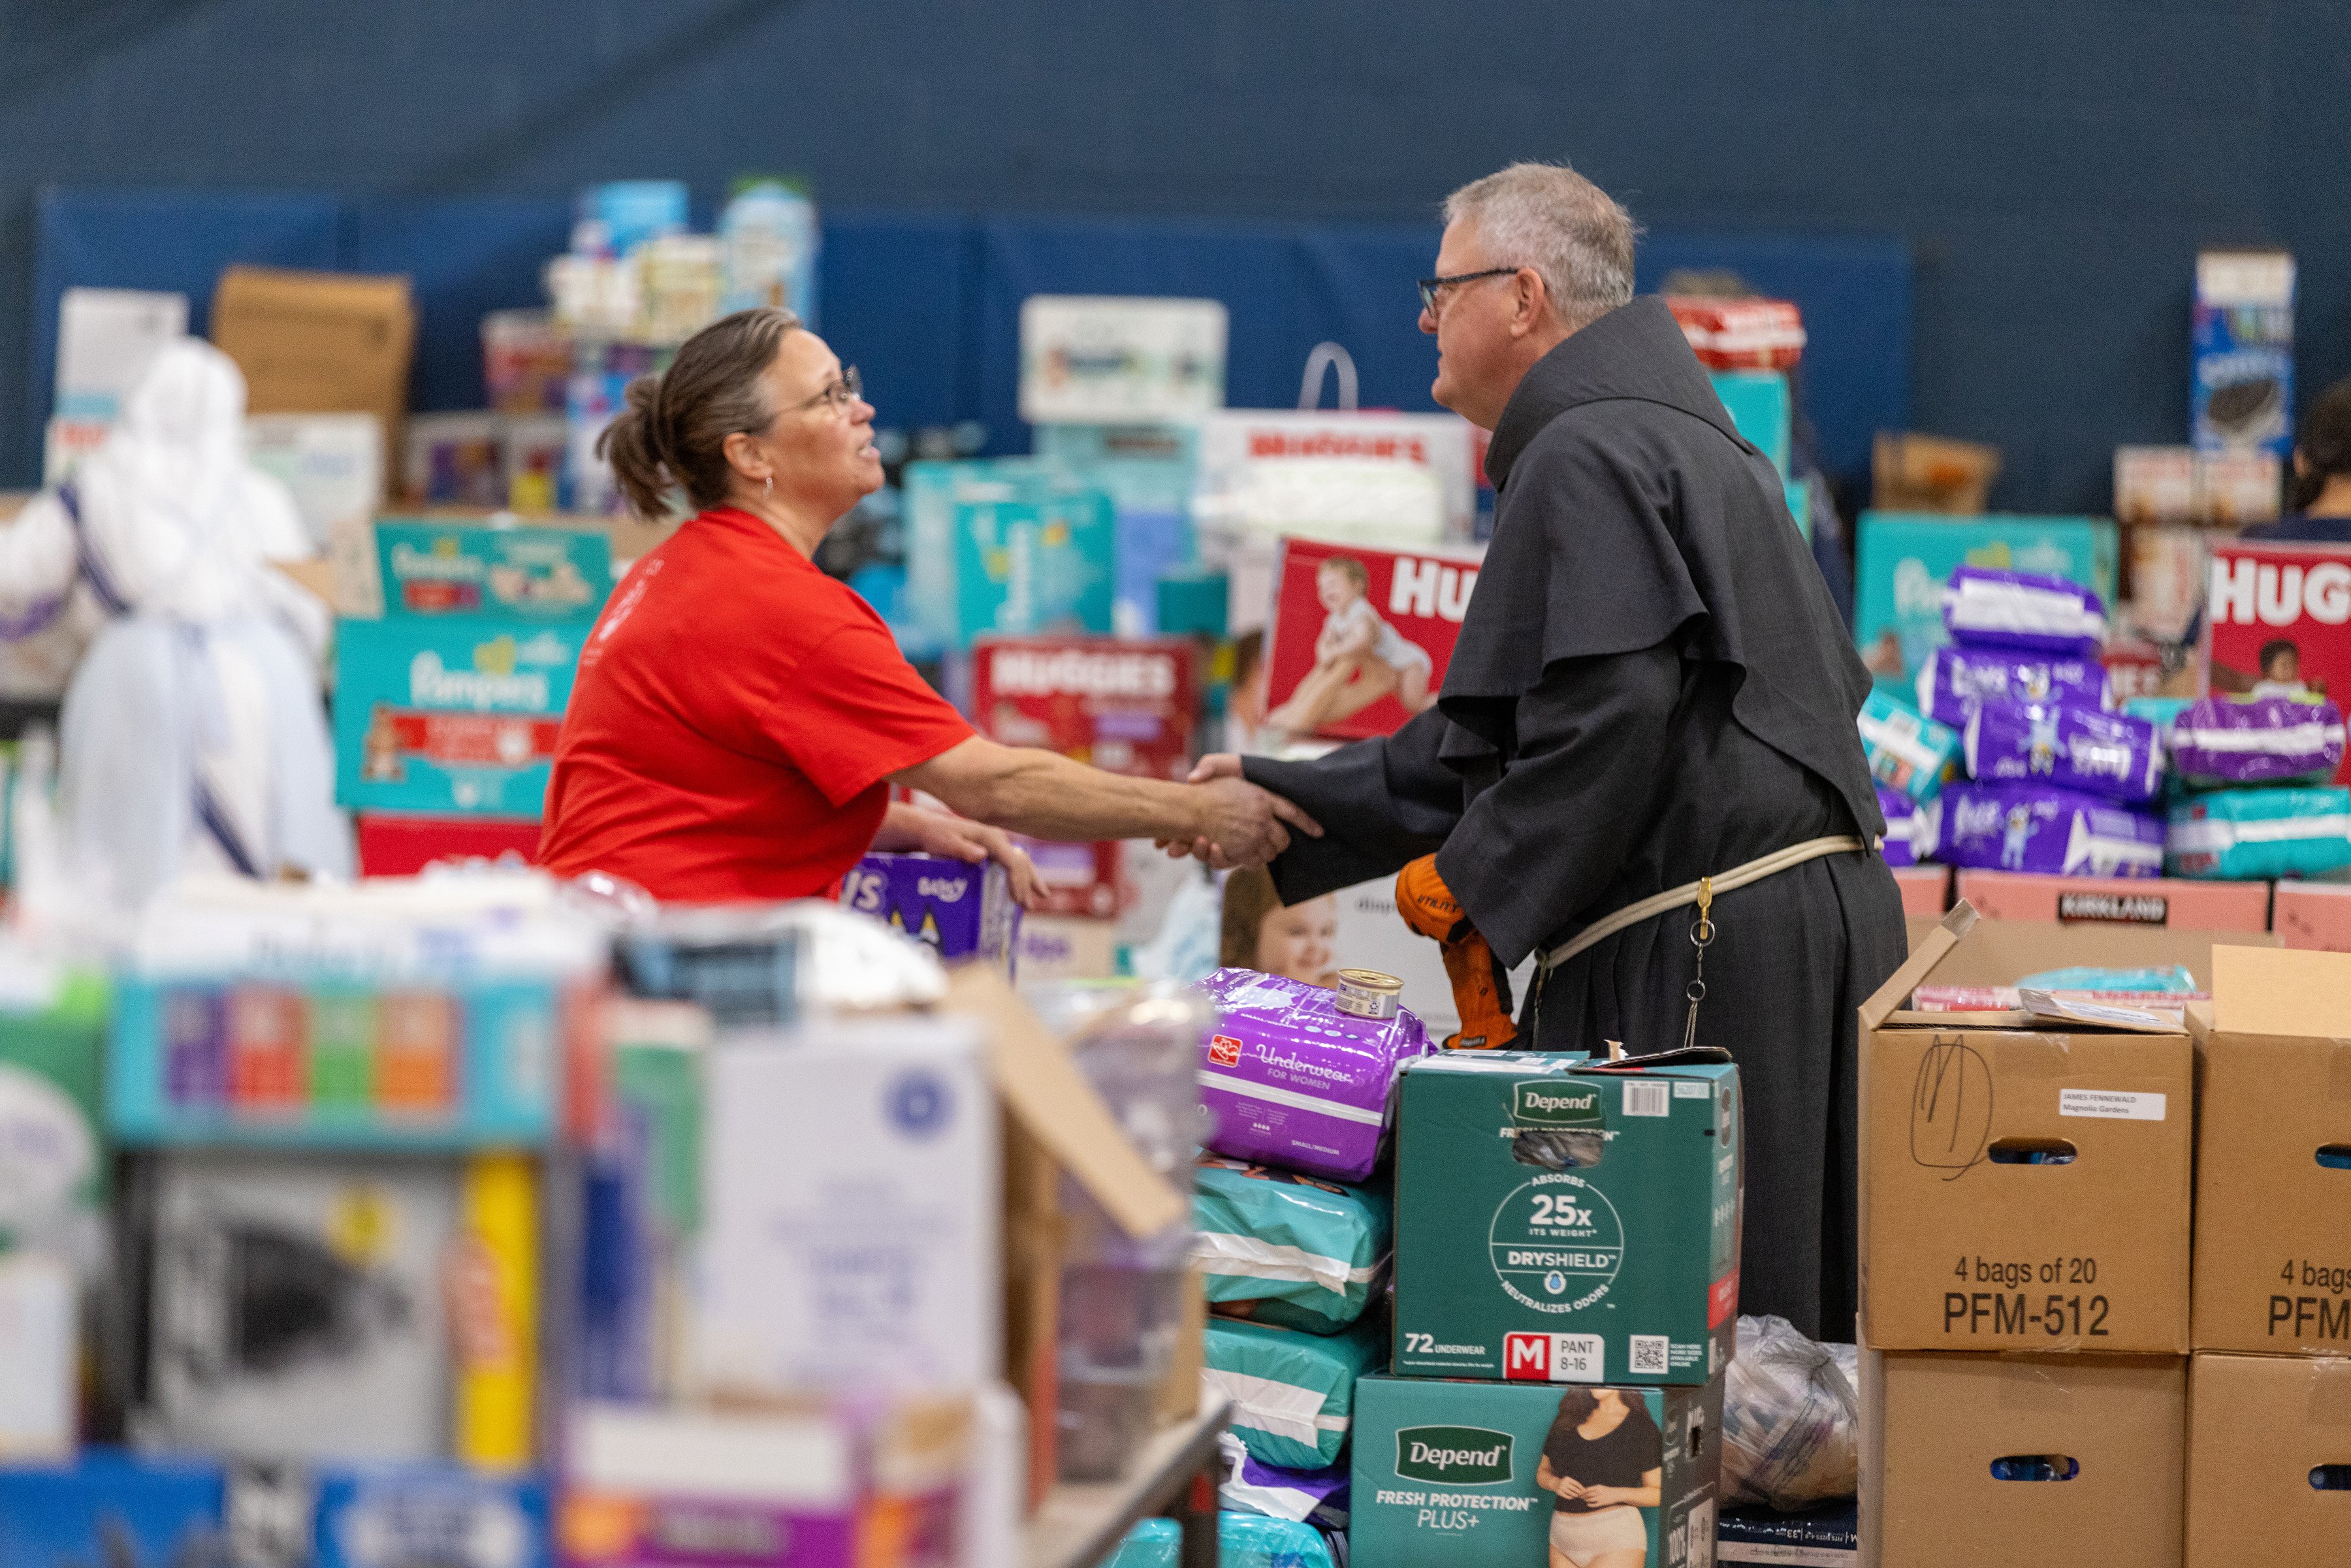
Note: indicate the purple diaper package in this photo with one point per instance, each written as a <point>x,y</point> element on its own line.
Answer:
<point>961,910</point>
<point>2042,828</point>
<point>1987,608</point>
<point>2257,740</point>
<point>2078,747</point>
<point>1295,1081</point>
<point>1954,682</point>
<point>1901,821</point>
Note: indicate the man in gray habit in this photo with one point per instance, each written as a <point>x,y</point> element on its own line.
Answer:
<point>1651,686</point>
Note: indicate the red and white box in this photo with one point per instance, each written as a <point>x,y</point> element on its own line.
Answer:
<point>2313,914</point>
<point>393,844</point>
<point>2175,903</point>
<point>1741,334</point>
<point>1126,706</point>
<point>2279,614</point>
<point>1361,637</point>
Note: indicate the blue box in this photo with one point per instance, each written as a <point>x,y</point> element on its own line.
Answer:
<point>2240,397</point>
<point>1758,404</point>
<point>431,1516</point>
<point>534,573</point>
<point>1906,558</point>
<point>111,1510</point>
<point>1043,559</point>
<point>454,713</point>
<point>1148,471</point>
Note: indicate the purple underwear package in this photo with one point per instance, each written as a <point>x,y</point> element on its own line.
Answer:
<point>1952,682</point>
<point>1987,608</point>
<point>2042,828</point>
<point>2078,747</point>
<point>1901,821</point>
<point>2258,740</point>
<point>1294,1081</point>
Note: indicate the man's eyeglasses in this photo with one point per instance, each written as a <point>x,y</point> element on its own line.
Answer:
<point>1430,286</point>
<point>844,392</point>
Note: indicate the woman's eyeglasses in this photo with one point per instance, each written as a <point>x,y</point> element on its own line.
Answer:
<point>1430,287</point>
<point>844,390</point>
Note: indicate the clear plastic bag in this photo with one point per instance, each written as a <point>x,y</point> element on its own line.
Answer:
<point>1791,1417</point>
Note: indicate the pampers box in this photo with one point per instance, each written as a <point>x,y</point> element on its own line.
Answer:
<point>1562,1223</point>
<point>450,714</point>
<point>1449,1472</point>
<point>541,573</point>
<point>1905,558</point>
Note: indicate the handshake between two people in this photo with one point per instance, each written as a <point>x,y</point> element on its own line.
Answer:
<point>1251,824</point>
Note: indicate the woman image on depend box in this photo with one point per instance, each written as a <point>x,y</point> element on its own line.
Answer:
<point>1358,659</point>
<point>1296,941</point>
<point>1605,1460</point>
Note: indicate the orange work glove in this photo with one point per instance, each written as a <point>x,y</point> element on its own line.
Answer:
<point>1481,989</point>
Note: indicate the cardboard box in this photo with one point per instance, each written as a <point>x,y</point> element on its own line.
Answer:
<point>2273,1260</point>
<point>450,714</point>
<point>1594,1241</point>
<point>1998,952</point>
<point>2263,1433</point>
<point>1905,559</point>
<point>2316,915</point>
<point>1361,637</point>
<point>1035,557</point>
<point>1741,334</point>
<point>2280,612</point>
<point>1914,473</point>
<point>2176,903</point>
<point>1962,1470</point>
<point>107,1505</point>
<point>960,910</point>
<point>455,458</point>
<point>535,573</point>
<point>332,464</point>
<point>2024,1185</point>
<point>393,844</point>
<point>1055,948</point>
<point>1926,889</point>
<point>2241,388</point>
<point>1394,479</point>
<point>1446,1473</point>
<point>319,342</point>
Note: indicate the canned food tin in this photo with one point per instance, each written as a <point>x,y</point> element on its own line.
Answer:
<point>1369,993</point>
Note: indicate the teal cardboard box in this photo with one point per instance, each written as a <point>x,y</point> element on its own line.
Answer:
<point>1043,559</point>
<point>1556,1223</point>
<point>536,573</point>
<point>1903,559</point>
<point>1448,1472</point>
<point>449,713</point>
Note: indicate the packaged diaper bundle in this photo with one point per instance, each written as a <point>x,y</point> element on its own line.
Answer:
<point>1254,1540</point>
<point>2250,834</point>
<point>1903,816</point>
<point>2078,748</point>
<point>1907,750</point>
<point>2043,828</point>
<point>1294,1080</point>
<point>1284,1249</point>
<point>1983,608</point>
<point>2257,740</point>
<point>1953,681</point>
<point>1308,1497</point>
<point>1293,1393</point>
<point>2169,980</point>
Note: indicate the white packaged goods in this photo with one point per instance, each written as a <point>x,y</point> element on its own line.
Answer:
<point>1110,360</point>
<point>37,1370</point>
<point>850,1233</point>
<point>1394,480</point>
<point>106,339</point>
<point>332,465</point>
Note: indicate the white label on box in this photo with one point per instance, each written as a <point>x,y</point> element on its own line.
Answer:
<point>1646,1099</point>
<point>2110,1104</point>
<point>1646,1355</point>
<point>1555,1357</point>
<point>1691,1089</point>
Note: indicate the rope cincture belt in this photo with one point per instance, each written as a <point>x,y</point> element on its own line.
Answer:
<point>1707,887</point>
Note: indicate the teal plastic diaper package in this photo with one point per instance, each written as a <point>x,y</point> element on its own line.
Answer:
<point>2252,834</point>
<point>1243,1540</point>
<point>1287,1249</point>
<point>1293,1393</point>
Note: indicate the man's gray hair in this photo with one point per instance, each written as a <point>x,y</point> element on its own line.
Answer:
<point>1576,236</point>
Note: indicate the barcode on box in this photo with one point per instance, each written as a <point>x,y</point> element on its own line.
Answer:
<point>1648,1354</point>
<point>1651,1099</point>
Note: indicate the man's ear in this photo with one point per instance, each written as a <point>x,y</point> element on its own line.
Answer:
<point>1530,301</point>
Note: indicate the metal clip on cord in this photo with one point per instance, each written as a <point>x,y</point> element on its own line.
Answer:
<point>1701,939</point>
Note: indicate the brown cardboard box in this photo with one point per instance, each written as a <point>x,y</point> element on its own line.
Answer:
<point>1998,952</point>
<point>1912,473</point>
<point>319,342</point>
<point>1968,1243</point>
<point>2177,904</point>
<point>1934,1499</point>
<point>2262,1431</point>
<point>2273,1257</point>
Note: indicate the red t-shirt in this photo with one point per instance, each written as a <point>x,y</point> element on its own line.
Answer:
<point>734,717</point>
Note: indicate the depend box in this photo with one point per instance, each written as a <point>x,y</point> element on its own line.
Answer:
<point>450,714</point>
<point>1565,1224</point>
<point>2242,392</point>
<point>1905,558</point>
<point>535,573</point>
<point>2273,1252</point>
<point>2024,1182</point>
<point>958,909</point>
<point>1449,1472</point>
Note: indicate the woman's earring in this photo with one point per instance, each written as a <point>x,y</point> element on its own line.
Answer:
<point>768,486</point>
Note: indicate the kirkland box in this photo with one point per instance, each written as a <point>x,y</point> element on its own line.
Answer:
<point>2272,1265</point>
<point>537,574</point>
<point>1988,1461</point>
<point>1560,1223</point>
<point>2173,904</point>
<point>958,909</point>
<point>1906,558</point>
<point>2269,1460</point>
<point>1452,1472</point>
<point>2024,1181</point>
<point>455,715</point>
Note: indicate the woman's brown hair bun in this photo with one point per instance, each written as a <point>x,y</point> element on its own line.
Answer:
<point>674,430</point>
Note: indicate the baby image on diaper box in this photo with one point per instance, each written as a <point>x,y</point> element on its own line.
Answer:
<point>454,713</point>
<point>1361,637</point>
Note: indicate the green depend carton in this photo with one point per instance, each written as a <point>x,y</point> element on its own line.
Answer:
<point>1563,1222</point>
<point>1451,1472</point>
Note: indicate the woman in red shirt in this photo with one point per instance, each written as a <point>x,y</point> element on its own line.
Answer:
<point>738,716</point>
